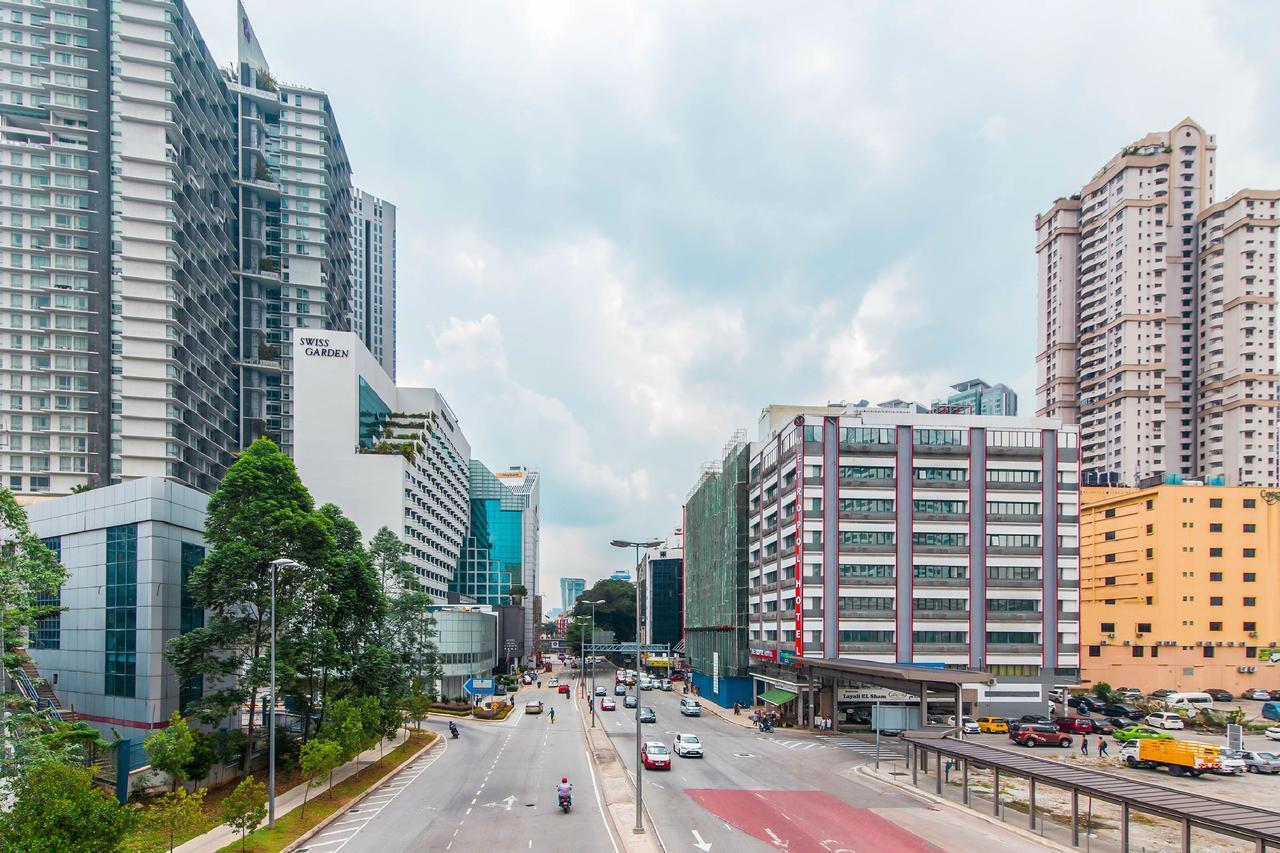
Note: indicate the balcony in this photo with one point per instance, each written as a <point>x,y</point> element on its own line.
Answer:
<point>941,583</point>
<point>1013,583</point>
<point>998,452</point>
<point>940,648</point>
<point>1014,648</point>
<point>867,482</point>
<point>950,450</point>
<point>879,613</point>
<point>868,449</point>
<point>949,485</point>
<point>878,548</point>
<point>940,614</point>
<point>868,648</point>
<point>1014,550</point>
<point>1014,616</point>
<point>1007,518</point>
<point>866,516</point>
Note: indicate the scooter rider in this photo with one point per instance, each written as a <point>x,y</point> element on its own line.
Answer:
<point>453,728</point>
<point>564,791</point>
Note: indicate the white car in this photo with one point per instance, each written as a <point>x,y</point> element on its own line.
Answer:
<point>688,746</point>
<point>1257,694</point>
<point>555,682</point>
<point>969,724</point>
<point>1273,733</point>
<point>646,684</point>
<point>1165,720</point>
<point>1233,764</point>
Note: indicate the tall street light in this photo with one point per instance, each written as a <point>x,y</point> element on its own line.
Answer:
<point>652,543</point>
<point>271,736</point>
<point>593,657</point>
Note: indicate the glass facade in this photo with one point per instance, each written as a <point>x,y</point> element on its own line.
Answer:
<point>667,599</point>
<point>191,616</point>
<point>47,633</point>
<point>122,610</point>
<point>373,415</point>
<point>492,554</point>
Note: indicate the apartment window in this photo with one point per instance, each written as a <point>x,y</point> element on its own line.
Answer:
<point>865,472</point>
<point>1002,475</point>
<point>866,537</point>
<point>1215,552</point>
<point>859,570</point>
<point>121,611</point>
<point>951,604</point>
<point>927,507</point>
<point>1000,638</point>
<point>1151,528</point>
<point>1151,552</point>
<point>932,572</point>
<point>1250,626</point>
<point>1215,503</point>
<point>1095,651</point>
<point>1012,605</point>
<point>1109,558</point>
<point>1151,504</point>
<point>1250,503</point>
<point>1138,651</point>
<point>1251,528</point>
<point>1215,601</point>
<point>946,540</point>
<point>1013,540</point>
<point>946,475</point>
<point>946,437</point>
<point>866,504</point>
<point>1109,581</point>
<point>1250,577</point>
<point>1208,651</point>
<point>1018,573</point>
<point>191,616</point>
<point>866,636</point>
<point>1111,513</point>
<point>1250,601</point>
<point>949,637</point>
<point>47,633</point>
<point>1107,627</point>
<point>866,435</point>
<point>1215,528</point>
<point>877,602</point>
<point>1249,553</point>
<point>1144,627</point>
<point>1109,536</point>
<point>1013,508</point>
<point>1215,626</point>
<point>1215,576</point>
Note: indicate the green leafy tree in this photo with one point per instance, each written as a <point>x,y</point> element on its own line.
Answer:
<point>176,814</point>
<point>1103,691</point>
<point>37,740</point>
<point>260,513</point>
<point>417,706</point>
<point>410,627</point>
<point>344,725</point>
<point>617,614</point>
<point>204,753</point>
<point>57,807</point>
<point>172,748</point>
<point>28,570</point>
<point>245,807</point>
<point>320,757</point>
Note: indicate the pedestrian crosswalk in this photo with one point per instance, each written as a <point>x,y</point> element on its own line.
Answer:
<point>866,747</point>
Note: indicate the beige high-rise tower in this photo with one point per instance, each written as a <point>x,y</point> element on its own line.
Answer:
<point>1156,317</point>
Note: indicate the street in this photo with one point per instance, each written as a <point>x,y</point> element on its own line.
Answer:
<point>492,788</point>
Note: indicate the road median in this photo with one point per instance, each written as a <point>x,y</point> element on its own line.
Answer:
<point>617,791</point>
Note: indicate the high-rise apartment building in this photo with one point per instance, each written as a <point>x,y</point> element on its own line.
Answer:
<point>373,271</point>
<point>1178,587</point>
<point>976,397</point>
<point>1155,328</point>
<point>915,538</point>
<point>570,589</point>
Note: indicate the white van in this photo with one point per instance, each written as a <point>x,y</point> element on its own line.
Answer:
<point>1189,703</point>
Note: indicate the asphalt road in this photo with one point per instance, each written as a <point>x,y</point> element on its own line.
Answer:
<point>491,789</point>
<point>756,792</point>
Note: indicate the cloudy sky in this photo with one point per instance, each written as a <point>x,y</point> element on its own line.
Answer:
<point>626,227</point>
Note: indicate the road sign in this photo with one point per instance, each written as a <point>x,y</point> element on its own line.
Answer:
<point>479,687</point>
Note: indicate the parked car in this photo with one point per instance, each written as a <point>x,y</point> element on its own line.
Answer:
<point>1128,694</point>
<point>1273,733</point>
<point>1165,720</point>
<point>678,675</point>
<point>1118,710</point>
<point>1271,710</point>
<point>1116,723</point>
<point>1274,695</point>
<point>533,707</point>
<point>655,756</point>
<point>1076,725</point>
<point>648,715</point>
<point>1029,720</point>
<point>1233,763</point>
<point>1262,762</point>
<point>1032,735</point>
<point>969,724</point>
<point>628,701</point>
<point>993,725</point>
<point>1217,694</point>
<point>688,746</point>
<point>1139,733</point>
<point>1162,692</point>
<point>1083,704</point>
<point>563,688</point>
<point>1257,694</point>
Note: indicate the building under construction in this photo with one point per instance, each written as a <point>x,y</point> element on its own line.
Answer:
<point>715,577</point>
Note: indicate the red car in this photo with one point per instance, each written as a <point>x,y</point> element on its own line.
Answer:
<point>1076,725</point>
<point>563,688</point>
<point>1038,735</point>
<point>655,756</point>
<point>608,705</point>
<point>678,675</point>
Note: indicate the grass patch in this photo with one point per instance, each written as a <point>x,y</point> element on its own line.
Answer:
<point>292,826</point>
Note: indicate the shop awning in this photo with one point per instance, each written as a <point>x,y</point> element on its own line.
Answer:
<point>777,697</point>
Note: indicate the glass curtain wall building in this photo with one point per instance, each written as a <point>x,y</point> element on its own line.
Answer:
<point>491,561</point>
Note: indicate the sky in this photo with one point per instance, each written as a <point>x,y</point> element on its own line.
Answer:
<point>624,228</point>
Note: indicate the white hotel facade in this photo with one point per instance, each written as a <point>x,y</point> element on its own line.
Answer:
<point>923,538</point>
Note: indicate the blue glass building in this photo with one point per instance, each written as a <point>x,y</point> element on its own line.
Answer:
<point>492,554</point>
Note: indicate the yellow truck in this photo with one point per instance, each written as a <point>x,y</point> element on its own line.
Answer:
<point>1181,757</point>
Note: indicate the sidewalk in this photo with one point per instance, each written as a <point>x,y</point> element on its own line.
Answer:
<point>744,719</point>
<point>220,836</point>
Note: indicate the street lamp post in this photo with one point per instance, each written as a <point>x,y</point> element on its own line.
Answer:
<point>593,657</point>
<point>271,735</point>
<point>623,543</point>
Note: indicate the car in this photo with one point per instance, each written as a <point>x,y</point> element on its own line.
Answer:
<point>554,682</point>
<point>678,675</point>
<point>1106,727</point>
<point>1115,709</point>
<point>646,684</point>
<point>1217,694</point>
<point>1165,720</point>
<point>1138,733</point>
<point>1128,694</point>
<point>533,707</point>
<point>969,724</point>
<point>608,705</point>
<point>1273,733</point>
<point>1257,694</point>
<point>655,756</point>
<point>665,684</point>
<point>1029,720</point>
<point>687,746</point>
<point>648,715</point>
<point>600,691</point>
<point>1116,723</point>
<point>1076,725</point>
<point>689,707</point>
<point>619,690</point>
<point>1274,695</point>
<point>993,725</point>
<point>628,701</point>
<point>1032,735</point>
<point>1083,704</point>
<point>563,688</point>
<point>1162,692</point>
<point>1262,762</point>
<point>1233,763</point>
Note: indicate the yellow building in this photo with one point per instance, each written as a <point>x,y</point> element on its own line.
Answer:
<point>1180,587</point>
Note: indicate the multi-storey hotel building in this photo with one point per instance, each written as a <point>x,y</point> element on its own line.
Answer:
<point>373,271</point>
<point>1156,328</point>
<point>915,538</point>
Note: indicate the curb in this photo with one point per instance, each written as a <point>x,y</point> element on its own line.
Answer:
<point>1026,834</point>
<point>315,830</point>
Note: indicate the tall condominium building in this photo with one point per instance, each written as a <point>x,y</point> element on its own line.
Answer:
<point>917,538</point>
<point>1178,587</point>
<point>390,456</point>
<point>373,271</point>
<point>526,484</point>
<point>570,589</point>
<point>1156,329</point>
<point>976,397</point>
<point>492,555</point>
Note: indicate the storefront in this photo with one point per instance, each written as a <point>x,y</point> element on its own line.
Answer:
<point>855,705</point>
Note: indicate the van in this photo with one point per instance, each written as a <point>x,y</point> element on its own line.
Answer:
<point>690,707</point>
<point>1189,703</point>
<point>1271,710</point>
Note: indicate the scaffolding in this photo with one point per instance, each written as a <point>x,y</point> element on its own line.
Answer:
<point>715,563</point>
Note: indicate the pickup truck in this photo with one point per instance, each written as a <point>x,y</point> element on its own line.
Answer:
<point>1181,757</point>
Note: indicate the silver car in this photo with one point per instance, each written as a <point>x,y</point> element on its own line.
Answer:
<point>1232,763</point>
<point>1262,762</point>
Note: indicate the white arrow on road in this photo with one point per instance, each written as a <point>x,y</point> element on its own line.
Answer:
<point>507,802</point>
<point>704,846</point>
<point>777,842</point>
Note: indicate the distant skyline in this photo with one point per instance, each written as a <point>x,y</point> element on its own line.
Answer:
<point>625,228</point>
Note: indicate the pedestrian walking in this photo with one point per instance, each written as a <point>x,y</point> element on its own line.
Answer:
<point>1084,745</point>
<point>1102,747</point>
<point>737,709</point>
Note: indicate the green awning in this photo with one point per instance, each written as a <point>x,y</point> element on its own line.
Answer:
<point>777,697</point>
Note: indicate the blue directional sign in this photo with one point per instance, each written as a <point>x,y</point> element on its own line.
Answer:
<point>479,686</point>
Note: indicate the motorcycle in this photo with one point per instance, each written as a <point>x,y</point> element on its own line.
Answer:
<point>566,803</point>
<point>453,730</point>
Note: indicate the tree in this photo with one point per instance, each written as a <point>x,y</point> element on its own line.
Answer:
<point>260,513</point>
<point>320,757</point>
<point>38,740</point>
<point>28,570</point>
<point>617,614</point>
<point>516,592</point>
<point>1103,691</point>
<point>179,812</point>
<point>204,753</point>
<point>245,807</point>
<point>417,706</point>
<point>410,626</point>
<point>57,807</point>
<point>344,725</point>
<point>172,748</point>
